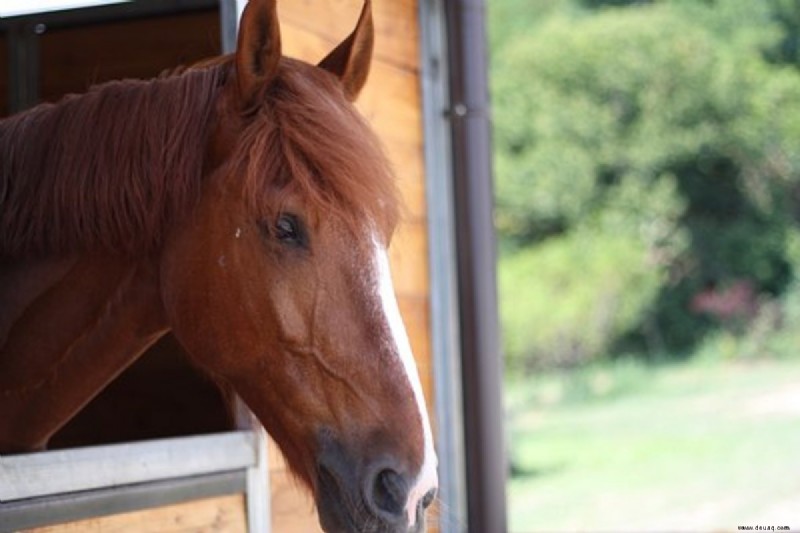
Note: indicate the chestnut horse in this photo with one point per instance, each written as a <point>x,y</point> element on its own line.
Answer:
<point>245,206</point>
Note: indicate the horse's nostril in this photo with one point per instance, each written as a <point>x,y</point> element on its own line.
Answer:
<point>389,492</point>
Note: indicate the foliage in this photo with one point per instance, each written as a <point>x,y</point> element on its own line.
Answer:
<point>572,298</point>
<point>643,154</point>
<point>773,334</point>
<point>786,49</point>
<point>567,299</point>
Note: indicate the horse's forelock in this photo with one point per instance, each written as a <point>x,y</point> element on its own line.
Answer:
<point>308,139</point>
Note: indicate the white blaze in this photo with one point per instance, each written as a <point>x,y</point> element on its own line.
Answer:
<point>427,478</point>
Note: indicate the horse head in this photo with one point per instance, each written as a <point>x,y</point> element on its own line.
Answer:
<point>278,282</point>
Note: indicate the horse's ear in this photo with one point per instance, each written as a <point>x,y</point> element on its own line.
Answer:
<point>351,59</point>
<point>258,50</point>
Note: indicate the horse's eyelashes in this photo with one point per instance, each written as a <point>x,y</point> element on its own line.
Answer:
<point>290,230</point>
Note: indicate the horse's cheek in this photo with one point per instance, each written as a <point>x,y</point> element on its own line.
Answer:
<point>191,302</point>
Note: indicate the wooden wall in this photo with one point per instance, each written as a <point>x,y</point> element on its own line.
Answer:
<point>225,514</point>
<point>391,102</point>
<point>76,57</point>
<point>73,58</point>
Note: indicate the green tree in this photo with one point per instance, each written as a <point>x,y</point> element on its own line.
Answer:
<point>666,118</point>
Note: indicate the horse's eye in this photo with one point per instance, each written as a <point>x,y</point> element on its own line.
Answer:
<point>289,230</point>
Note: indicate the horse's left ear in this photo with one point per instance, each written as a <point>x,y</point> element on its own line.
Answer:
<point>258,50</point>
<point>351,59</point>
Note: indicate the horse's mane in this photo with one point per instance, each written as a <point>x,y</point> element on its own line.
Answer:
<point>106,169</point>
<point>111,169</point>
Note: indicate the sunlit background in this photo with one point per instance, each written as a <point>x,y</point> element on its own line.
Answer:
<point>648,208</point>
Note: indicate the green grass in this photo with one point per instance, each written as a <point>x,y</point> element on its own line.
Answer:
<point>698,446</point>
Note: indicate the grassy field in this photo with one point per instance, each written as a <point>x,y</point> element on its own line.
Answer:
<point>693,447</point>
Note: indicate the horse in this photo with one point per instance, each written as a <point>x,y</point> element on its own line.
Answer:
<point>244,205</point>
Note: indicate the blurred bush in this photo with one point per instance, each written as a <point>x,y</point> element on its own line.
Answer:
<point>645,155</point>
<point>567,299</point>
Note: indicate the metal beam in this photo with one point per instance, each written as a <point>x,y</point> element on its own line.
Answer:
<point>229,22</point>
<point>23,65</point>
<point>36,512</point>
<point>110,13</point>
<point>476,248</point>
<point>62,471</point>
<point>444,301</point>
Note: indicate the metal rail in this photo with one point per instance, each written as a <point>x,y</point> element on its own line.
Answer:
<point>62,471</point>
<point>444,299</point>
<point>37,512</point>
<point>481,359</point>
<point>50,487</point>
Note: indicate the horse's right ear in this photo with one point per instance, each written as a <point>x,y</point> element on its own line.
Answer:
<point>351,59</point>
<point>258,50</point>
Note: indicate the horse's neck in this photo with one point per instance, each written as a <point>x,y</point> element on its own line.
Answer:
<point>67,328</point>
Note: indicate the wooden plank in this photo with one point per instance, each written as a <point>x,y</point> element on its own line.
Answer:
<point>212,515</point>
<point>408,168</point>
<point>293,510</point>
<point>311,28</point>
<point>416,316</point>
<point>409,273</point>
<point>291,505</point>
<point>274,457</point>
<point>391,104</point>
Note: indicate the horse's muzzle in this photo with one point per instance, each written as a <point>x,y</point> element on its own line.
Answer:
<point>363,496</point>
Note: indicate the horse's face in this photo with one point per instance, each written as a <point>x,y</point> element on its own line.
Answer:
<point>291,303</point>
<point>298,314</point>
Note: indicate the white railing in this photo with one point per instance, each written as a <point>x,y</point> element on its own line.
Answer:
<point>64,485</point>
